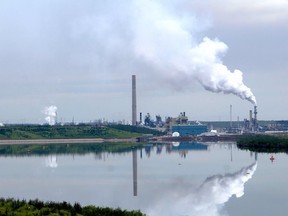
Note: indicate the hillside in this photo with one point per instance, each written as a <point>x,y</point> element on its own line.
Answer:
<point>16,132</point>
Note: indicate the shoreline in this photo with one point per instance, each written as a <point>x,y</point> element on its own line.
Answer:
<point>63,141</point>
<point>115,140</point>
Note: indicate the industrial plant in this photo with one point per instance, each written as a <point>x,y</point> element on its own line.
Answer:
<point>182,126</point>
<point>173,126</point>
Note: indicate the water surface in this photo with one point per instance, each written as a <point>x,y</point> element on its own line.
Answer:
<point>169,179</point>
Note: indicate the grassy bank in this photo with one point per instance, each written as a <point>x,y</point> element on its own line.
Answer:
<point>72,131</point>
<point>263,143</point>
<point>35,207</point>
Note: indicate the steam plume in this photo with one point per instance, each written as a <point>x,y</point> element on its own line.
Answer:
<point>51,114</point>
<point>167,42</point>
<point>208,199</point>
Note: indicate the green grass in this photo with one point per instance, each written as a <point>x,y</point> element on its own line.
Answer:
<point>62,132</point>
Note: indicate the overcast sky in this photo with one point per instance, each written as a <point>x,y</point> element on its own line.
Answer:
<point>80,55</point>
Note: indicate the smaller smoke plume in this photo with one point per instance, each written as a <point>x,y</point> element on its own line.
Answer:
<point>51,114</point>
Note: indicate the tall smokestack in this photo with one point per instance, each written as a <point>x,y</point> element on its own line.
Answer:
<point>251,119</point>
<point>134,108</point>
<point>255,113</point>
<point>141,121</point>
<point>230,116</point>
<point>255,119</point>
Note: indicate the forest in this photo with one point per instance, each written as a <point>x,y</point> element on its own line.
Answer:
<point>13,207</point>
<point>263,143</point>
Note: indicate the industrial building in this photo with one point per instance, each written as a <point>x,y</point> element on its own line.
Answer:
<point>184,127</point>
<point>185,130</point>
<point>181,125</point>
<point>251,125</point>
<point>182,119</point>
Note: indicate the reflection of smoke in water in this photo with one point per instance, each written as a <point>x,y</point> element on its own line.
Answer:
<point>51,114</point>
<point>208,199</point>
<point>51,161</point>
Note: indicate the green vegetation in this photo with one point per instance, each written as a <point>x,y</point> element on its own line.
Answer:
<point>38,208</point>
<point>263,143</point>
<point>72,131</point>
<point>83,148</point>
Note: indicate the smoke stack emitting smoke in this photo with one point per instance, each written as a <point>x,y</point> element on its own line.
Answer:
<point>51,114</point>
<point>168,43</point>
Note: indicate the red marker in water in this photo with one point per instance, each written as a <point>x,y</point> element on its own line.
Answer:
<point>272,159</point>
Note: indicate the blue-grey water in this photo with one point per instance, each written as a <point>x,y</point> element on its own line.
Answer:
<point>171,179</point>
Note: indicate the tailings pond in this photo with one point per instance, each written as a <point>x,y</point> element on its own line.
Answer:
<point>158,179</point>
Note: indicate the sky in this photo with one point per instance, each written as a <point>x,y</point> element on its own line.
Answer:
<point>191,56</point>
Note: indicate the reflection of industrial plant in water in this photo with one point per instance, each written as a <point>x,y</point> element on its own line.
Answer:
<point>190,146</point>
<point>181,147</point>
<point>51,161</point>
<point>208,199</point>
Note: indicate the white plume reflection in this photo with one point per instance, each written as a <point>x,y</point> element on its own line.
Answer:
<point>208,199</point>
<point>51,161</point>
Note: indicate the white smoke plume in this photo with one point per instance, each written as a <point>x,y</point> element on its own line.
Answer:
<point>169,43</point>
<point>51,114</point>
<point>207,200</point>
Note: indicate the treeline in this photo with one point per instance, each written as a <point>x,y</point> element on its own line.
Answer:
<point>263,143</point>
<point>38,208</point>
<point>37,149</point>
<point>62,132</point>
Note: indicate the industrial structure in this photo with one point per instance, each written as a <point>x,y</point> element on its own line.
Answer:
<point>251,125</point>
<point>134,105</point>
<point>182,119</point>
<point>181,125</point>
<point>185,130</point>
<point>184,127</point>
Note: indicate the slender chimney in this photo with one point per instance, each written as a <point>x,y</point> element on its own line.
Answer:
<point>255,113</point>
<point>251,119</point>
<point>134,108</point>
<point>255,123</point>
<point>230,116</point>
